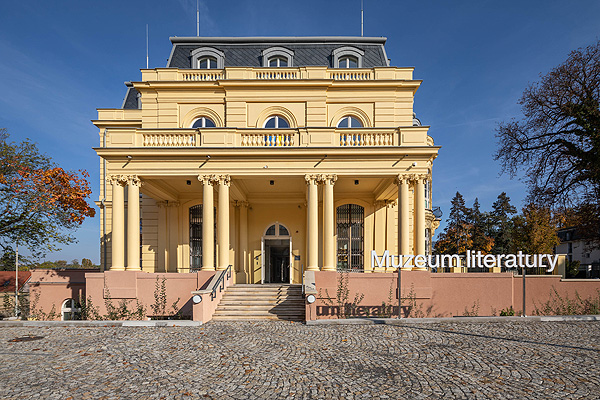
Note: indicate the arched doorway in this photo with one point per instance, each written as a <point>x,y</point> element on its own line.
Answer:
<point>277,253</point>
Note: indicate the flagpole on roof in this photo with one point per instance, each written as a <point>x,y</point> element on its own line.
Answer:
<point>361,18</point>
<point>147,63</point>
<point>197,17</point>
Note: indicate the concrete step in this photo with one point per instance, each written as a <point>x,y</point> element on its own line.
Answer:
<point>266,302</point>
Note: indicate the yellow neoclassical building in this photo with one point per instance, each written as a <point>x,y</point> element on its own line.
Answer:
<point>275,155</point>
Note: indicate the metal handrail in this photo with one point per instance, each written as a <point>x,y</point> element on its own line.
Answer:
<point>220,283</point>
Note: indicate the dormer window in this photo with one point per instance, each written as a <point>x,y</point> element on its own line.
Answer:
<point>278,62</point>
<point>347,57</point>
<point>207,58</point>
<point>348,62</point>
<point>276,122</point>
<point>203,122</point>
<point>278,57</point>
<point>349,122</point>
<point>207,63</point>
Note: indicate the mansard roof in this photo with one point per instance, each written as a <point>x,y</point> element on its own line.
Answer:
<point>308,51</point>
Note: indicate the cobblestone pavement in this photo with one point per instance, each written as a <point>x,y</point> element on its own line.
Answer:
<point>272,360</point>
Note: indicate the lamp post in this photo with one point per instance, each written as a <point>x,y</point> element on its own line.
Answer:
<point>17,280</point>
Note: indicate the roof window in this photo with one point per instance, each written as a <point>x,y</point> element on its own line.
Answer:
<point>347,57</point>
<point>278,57</point>
<point>207,58</point>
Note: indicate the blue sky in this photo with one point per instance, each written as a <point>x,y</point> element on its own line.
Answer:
<point>60,60</point>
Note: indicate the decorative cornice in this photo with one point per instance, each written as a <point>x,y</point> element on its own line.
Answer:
<point>119,179</point>
<point>241,203</point>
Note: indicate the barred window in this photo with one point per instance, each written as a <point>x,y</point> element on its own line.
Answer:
<point>350,237</point>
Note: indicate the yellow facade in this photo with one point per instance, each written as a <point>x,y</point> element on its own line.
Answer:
<point>255,177</point>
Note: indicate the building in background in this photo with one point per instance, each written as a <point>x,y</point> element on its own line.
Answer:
<point>582,249</point>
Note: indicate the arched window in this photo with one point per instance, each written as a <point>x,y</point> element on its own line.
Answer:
<point>70,310</point>
<point>196,237</point>
<point>348,62</point>
<point>207,63</point>
<point>350,237</point>
<point>276,121</point>
<point>347,57</point>
<point>203,122</point>
<point>207,58</point>
<point>277,57</point>
<point>349,122</point>
<point>276,230</point>
<point>278,62</point>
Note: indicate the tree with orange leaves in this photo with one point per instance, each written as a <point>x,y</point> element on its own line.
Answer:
<point>40,203</point>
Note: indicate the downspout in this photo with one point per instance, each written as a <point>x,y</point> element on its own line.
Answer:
<point>102,202</point>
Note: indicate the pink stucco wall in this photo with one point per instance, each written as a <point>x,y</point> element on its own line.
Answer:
<point>48,289</point>
<point>53,287</point>
<point>445,295</point>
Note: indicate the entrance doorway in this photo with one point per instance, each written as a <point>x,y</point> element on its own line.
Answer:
<point>276,255</point>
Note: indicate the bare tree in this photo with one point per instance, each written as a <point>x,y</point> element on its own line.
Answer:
<point>557,142</point>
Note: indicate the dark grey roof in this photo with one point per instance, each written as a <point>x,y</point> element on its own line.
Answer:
<point>308,51</point>
<point>131,97</point>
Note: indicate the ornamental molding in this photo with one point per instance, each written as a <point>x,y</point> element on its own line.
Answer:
<point>312,179</point>
<point>207,179</point>
<point>328,179</point>
<point>241,203</point>
<point>222,180</point>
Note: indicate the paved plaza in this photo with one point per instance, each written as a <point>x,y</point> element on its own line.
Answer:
<point>273,360</point>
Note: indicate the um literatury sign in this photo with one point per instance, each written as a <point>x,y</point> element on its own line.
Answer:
<point>472,260</point>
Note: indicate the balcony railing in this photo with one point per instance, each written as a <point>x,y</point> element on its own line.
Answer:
<point>256,137</point>
<point>270,73</point>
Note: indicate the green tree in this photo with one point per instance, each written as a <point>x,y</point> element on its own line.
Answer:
<point>535,230</point>
<point>40,203</point>
<point>481,241</point>
<point>501,225</point>
<point>457,236</point>
<point>8,259</point>
<point>87,263</point>
<point>557,142</point>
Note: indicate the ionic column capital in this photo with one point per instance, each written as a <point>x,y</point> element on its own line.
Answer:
<point>311,179</point>
<point>222,179</point>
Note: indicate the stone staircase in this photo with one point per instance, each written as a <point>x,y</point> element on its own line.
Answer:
<point>261,302</point>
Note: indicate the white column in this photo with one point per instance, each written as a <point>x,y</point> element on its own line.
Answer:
<point>420,215</point>
<point>118,225</point>
<point>403,216</point>
<point>173,237</point>
<point>329,248</point>
<point>312,233</point>
<point>208,223</point>
<point>133,223</point>
<point>223,221</point>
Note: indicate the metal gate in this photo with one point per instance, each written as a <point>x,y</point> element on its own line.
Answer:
<point>350,233</point>
<point>196,237</point>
